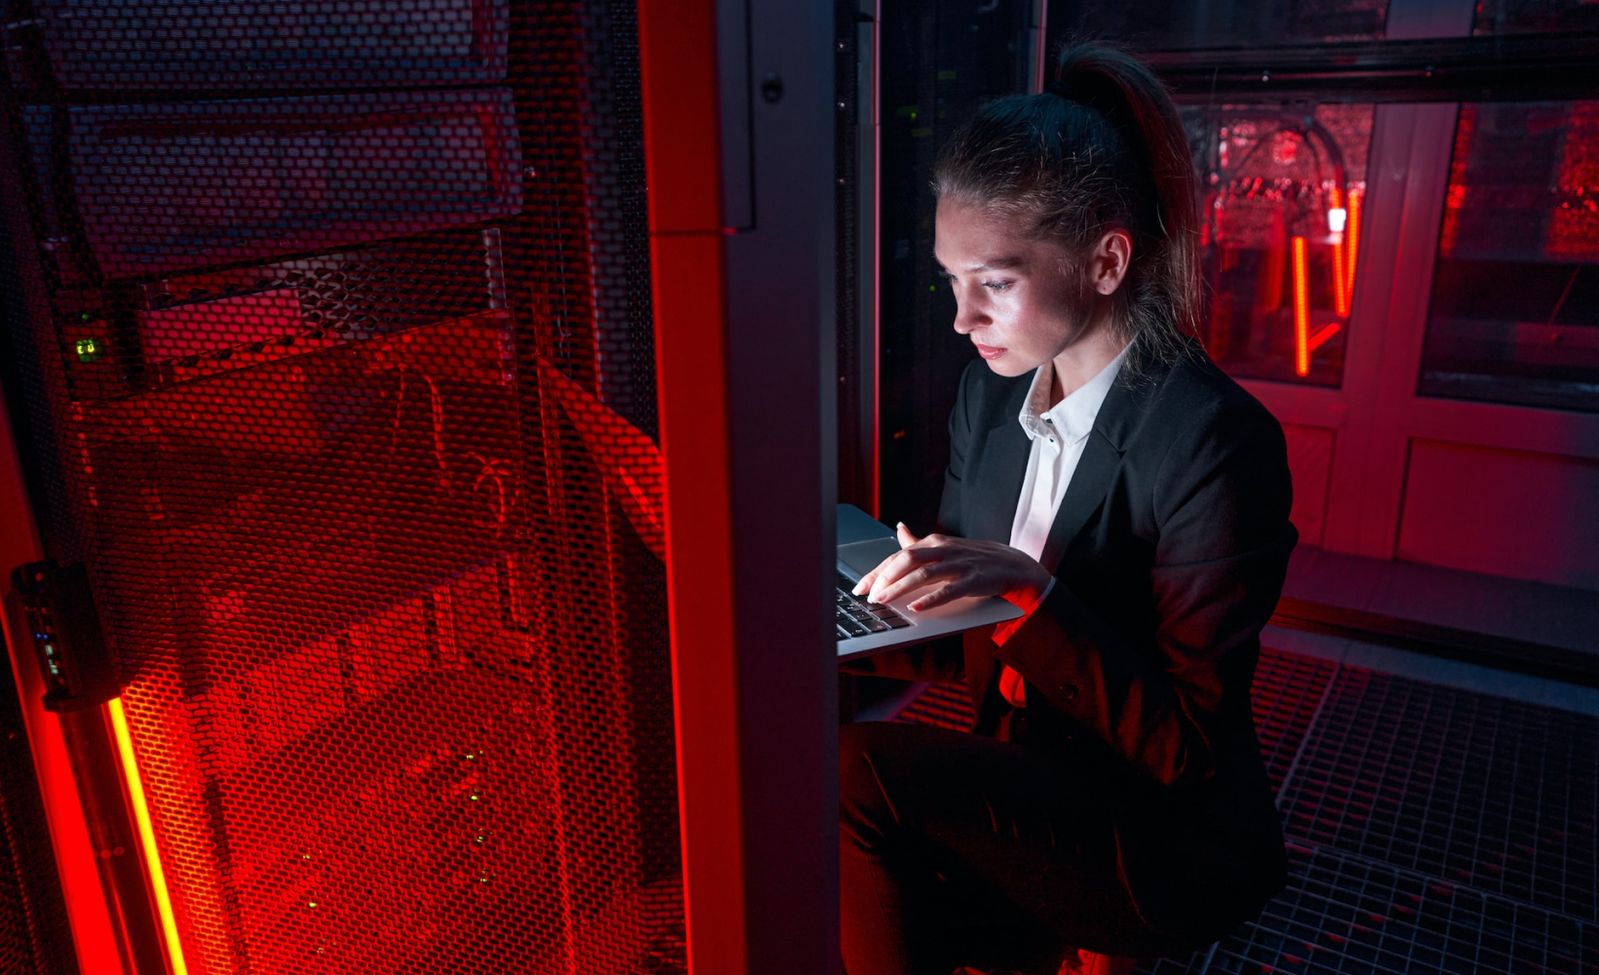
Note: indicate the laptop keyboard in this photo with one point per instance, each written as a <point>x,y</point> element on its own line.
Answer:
<point>857,617</point>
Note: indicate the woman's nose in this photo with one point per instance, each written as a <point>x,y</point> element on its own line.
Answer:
<point>967,316</point>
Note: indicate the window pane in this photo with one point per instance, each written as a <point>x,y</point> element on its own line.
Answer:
<point>1184,25</point>
<point>1283,191</point>
<point>1515,301</point>
<point>1535,16</point>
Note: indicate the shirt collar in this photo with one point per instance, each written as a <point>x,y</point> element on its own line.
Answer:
<point>1073,417</point>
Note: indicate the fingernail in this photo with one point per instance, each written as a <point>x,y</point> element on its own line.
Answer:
<point>857,590</point>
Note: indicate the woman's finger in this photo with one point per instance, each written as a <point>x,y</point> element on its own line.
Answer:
<point>889,588</point>
<point>888,569</point>
<point>892,589</point>
<point>891,569</point>
<point>938,597</point>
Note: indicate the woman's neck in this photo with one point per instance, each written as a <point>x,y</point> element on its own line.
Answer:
<point>1084,359</point>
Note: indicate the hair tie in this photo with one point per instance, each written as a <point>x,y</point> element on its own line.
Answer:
<point>1086,93</point>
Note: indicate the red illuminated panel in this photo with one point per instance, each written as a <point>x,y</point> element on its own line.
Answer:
<point>1574,220</point>
<point>186,330</point>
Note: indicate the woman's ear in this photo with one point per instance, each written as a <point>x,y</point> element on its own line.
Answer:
<point>1108,261</point>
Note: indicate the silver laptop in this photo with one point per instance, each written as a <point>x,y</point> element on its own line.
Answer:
<point>864,627</point>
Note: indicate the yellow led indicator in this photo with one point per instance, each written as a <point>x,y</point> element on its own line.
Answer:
<point>88,349</point>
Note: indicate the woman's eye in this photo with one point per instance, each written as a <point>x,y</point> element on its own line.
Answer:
<point>997,285</point>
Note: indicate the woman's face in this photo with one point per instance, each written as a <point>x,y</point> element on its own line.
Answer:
<point>1018,298</point>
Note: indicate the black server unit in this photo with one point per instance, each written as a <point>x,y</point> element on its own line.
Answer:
<point>939,64</point>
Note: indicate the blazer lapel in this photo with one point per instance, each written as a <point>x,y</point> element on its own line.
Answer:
<point>1000,470</point>
<point>1118,419</point>
<point>1084,495</point>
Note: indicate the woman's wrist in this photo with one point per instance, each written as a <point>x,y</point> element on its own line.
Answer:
<point>1030,589</point>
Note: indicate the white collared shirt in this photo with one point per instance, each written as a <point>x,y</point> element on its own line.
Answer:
<point>1059,434</point>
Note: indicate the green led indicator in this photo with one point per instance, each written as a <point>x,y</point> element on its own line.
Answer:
<point>88,349</point>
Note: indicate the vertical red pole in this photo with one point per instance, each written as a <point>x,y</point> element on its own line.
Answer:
<point>677,57</point>
<point>738,125</point>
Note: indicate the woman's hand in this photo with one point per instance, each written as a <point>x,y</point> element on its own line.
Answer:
<point>953,568</point>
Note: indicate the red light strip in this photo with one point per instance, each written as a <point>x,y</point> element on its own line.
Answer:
<point>1352,240</point>
<point>141,819</point>
<point>1301,310</point>
<point>1340,282</point>
<point>1324,333</point>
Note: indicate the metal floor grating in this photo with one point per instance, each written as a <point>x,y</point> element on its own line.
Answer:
<point>1350,914</point>
<point>1473,789</point>
<point>1431,829</point>
<point>942,706</point>
<point>1288,690</point>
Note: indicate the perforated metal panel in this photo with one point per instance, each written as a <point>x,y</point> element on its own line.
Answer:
<point>332,324</point>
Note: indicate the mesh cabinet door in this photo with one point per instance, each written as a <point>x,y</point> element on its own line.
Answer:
<point>331,326</point>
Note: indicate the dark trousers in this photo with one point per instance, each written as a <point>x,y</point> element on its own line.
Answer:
<point>956,849</point>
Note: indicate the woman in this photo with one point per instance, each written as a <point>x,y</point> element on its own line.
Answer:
<point>1133,501</point>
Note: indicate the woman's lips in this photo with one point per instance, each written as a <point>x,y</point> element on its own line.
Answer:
<point>988,351</point>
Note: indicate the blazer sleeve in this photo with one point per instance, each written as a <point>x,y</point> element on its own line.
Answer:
<point>1221,501</point>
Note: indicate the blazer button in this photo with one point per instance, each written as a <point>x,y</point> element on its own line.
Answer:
<point>1068,692</point>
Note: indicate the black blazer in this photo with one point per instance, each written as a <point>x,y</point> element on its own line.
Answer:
<point>1169,552</point>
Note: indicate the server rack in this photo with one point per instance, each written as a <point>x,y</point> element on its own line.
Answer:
<point>343,364</point>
